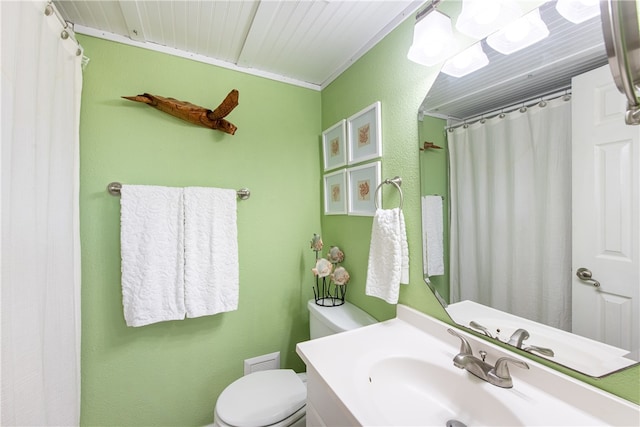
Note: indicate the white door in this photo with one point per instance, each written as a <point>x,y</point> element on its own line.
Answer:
<point>606,205</point>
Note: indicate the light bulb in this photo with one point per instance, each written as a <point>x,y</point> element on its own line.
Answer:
<point>466,62</point>
<point>488,13</point>
<point>522,33</point>
<point>517,31</point>
<point>462,61</point>
<point>479,18</point>
<point>432,50</point>
<point>578,11</point>
<point>432,39</point>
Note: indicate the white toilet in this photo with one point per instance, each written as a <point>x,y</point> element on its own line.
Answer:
<point>277,398</point>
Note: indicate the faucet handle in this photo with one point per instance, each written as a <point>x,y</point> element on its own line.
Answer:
<point>465,347</point>
<point>542,350</point>
<point>478,326</point>
<point>518,337</point>
<point>502,369</point>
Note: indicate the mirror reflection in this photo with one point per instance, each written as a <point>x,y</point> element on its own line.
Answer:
<point>529,200</point>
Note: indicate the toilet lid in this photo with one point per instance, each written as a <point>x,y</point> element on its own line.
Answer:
<point>261,398</point>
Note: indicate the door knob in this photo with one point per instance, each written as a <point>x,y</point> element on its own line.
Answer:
<point>585,274</point>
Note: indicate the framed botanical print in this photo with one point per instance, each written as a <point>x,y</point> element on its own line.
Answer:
<point>334,146</point>
<point>335,193</point>
<point>364,133</point>
<point>362,182</point>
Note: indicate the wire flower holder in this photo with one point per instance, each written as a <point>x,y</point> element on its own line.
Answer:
<point>327,293</point>
<point>331,279</point>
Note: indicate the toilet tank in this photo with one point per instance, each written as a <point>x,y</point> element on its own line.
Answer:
<point>325,321</point>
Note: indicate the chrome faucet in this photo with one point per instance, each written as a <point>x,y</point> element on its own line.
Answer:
<point>517,339</point>
<point>497,375</point>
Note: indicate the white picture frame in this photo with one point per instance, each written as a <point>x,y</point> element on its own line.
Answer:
<point>335,193</point>
<point>364,134</point>
<point>334,146</point>
<point>362,182</point>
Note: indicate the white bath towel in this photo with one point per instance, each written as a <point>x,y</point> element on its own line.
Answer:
<point>211,251</point>
<point>151,246</point>
<point>388,255</point>
<point>432,236</point>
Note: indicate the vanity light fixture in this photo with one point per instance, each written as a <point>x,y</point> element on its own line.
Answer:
<point>469,60</point>
<point>578,11</point>
<point>519,34</point>
<point>479,18</point>
<point>433,37</point>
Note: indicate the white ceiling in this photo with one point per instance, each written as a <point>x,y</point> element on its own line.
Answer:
<point>305,42</point>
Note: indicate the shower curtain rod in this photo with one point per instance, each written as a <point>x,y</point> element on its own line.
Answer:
<point>67,27</point>
<point>564,91</point>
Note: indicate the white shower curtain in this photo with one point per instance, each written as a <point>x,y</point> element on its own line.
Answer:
<point>511,213</point>
<point>41,85</point>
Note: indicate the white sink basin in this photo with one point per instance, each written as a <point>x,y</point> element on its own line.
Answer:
<point>400,372</point>
<point>409,391</point>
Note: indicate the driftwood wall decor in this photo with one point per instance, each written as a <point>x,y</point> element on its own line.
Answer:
<point>428,145</point>
<point>193,113</point>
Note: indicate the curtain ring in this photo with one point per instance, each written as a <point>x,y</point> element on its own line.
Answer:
<point>502,115</point>
<point>523,109</point>
<point>542,103</point>
<point>64,34</point>
<point>48,10</point>
<point>483,120</point>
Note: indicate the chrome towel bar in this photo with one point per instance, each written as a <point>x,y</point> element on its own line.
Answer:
<point>114,189</point>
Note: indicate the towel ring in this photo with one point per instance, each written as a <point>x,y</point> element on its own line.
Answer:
<point>397,182</point>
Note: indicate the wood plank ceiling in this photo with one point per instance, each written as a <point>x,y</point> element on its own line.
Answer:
<point>308,42</point>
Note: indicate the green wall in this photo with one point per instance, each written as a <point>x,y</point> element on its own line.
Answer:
<point>171,373</point>
<point>386,75</point>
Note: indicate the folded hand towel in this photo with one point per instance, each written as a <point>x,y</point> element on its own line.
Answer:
<point>211,251</point>
<point>151,246</point>
<point>432,236</point>
<point>404,247</point>
<point>388,255</point>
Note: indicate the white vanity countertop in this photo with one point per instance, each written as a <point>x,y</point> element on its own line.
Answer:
<point>540,395</point>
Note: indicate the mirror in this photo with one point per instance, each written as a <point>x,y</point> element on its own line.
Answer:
<point>544,70</point>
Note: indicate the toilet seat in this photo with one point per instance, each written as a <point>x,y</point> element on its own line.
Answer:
<point>298,419</point>
<point>262,398</point>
